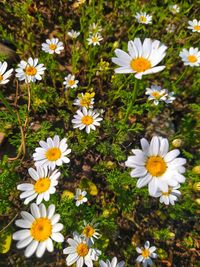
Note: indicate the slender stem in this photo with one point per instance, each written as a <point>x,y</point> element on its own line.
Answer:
<point>134,95</point>
<point>181,76</point>
<point>6,104</point>
<point>1,231</point>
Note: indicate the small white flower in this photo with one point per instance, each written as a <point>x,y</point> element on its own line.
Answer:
<point>80,197</point>
<point>87,119</point>
<point>52,153</point>
<point>80,252</point>
<point>73,34</point>
<point>85,100</point>
<point>70,81</point>
<point>90,232</point>
<point>52,46</point>
<point>30,71</point>
<point>40,228</point>
<point>146,254</point>
<point>170,97</point>
<point>157,94</point>
<point>4,75</point>
<point>174,9</point>
<point>169,196</point>
<point>113,263</point>
<point>194,25</point>
<point>95,39</point>
<point>95,28</point>
<point>190,57</point>
<point>141,59</point>
<point>143,18</point>
<point>155,166</point>
<point>44,185</point>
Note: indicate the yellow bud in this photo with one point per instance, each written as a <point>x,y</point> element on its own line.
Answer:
<point>171,235</point>
<point>196,169</point>
<point>67,194</point>
<point>110,164</point>
<point>197,200</point>
<point>196,187</point>
<point>115,44</point>
<point>7,240</point>
<point>106,213</point>
<point>177,143</point>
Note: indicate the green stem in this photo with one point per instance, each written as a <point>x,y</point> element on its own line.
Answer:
<point>134,95</point>
<point>6,104</point>
<point>181,76</point>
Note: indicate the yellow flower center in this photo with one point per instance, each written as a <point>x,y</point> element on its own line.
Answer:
<point>145,253</point>
<point>197,28</point>
<point>143,19</point>
<point>167,193</point>
<point>88,231</point>
<point>1,77</point>
<point>71,82</point>
<point>192,58</point>
<point>140,64</point>
<point>42,185</point>
<point>95,39</point>
<point>156,95</point>
<point>156,166</point>
<point>80,197</point>
<point>30,70</point>
<point>52,46</point>
<point>41,229</point>
<point>87,120</point>
<point>53,154</point>
<point>82,249</point>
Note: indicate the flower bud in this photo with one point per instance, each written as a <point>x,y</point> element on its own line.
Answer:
<point>177,143</point>
<point>196,169</point>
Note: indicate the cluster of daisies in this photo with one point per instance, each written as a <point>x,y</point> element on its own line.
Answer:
<point>94,35</point>
<point>158,168</point>
<point>143,58</point>
<point>41,227</point>
<point>86,117</point>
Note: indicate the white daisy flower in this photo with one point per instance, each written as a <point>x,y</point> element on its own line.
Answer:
<point>143,18</point>
<point>169,196</point>
<point>194,25</point>
<point>157,94</point>
<point>90,232</point>
<point>44,185</point>
<point>190,57</point>
<point>70,81</point>
<point>52,46</point>
<point>40,228</point>
<point>94,39</point>
<point>85,100</point>
<point>113,263</point>
<point>141,59</point>
<point>155,166</point>
<point>4,75</point>
<point>52,153</point>
<point>174,9</point>
<point>73,34</point>
<point>30,71</point>
<point>146,254</point>
<point>80,252</point>
<point>95,28</point>
<point>87,119</point>
<point>80,197</point>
